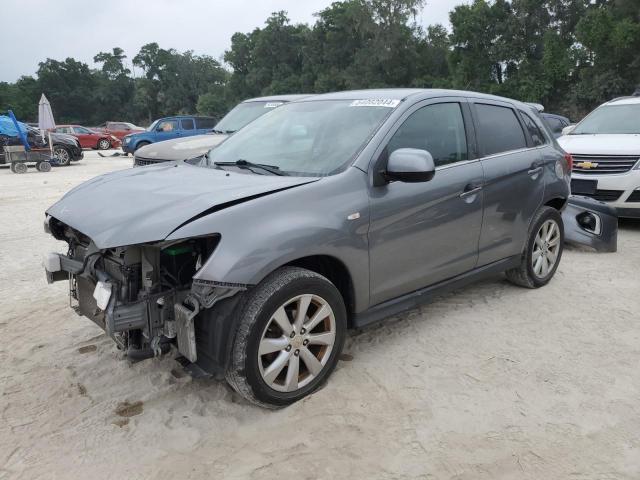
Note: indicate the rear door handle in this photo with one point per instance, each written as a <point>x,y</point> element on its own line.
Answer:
<point>470,189</point>
<point>536,168</point>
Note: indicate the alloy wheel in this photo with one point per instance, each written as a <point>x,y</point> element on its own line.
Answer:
<point>61,155</point>
<point>545,249</point>
<point>104,144</point>
<point>296,343</point>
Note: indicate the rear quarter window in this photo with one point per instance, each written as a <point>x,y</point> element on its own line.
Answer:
<point>499,129</point>
<point>205,123</point>
<point>534,132</point>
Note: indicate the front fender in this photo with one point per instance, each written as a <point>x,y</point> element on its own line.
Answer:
<point>262,234</point>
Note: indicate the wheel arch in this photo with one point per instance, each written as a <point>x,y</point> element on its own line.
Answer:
<point>336,272</point>
<point>557,202</point>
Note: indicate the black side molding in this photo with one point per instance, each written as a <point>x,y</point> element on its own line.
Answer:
<point>414,299</point>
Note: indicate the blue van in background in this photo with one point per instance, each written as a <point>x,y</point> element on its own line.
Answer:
<point>168,128</point>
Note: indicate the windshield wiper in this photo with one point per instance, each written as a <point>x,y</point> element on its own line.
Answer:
<point>274,170</point>
<point>223,132</point>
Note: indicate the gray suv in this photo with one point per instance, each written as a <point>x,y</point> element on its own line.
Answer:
<point>325,214</point>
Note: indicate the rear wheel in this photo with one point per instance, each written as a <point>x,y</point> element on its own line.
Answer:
<point>43,167</point>
<point>291,331</point>
<point>63,157</point>
<point>542,255</point>
<point>104,144</point>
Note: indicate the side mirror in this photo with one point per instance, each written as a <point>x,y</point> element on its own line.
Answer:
<point>410,165</point>
<point>568,129</point>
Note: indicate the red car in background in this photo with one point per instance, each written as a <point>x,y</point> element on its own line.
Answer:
<point>89,138</point>
<point>119,129</point>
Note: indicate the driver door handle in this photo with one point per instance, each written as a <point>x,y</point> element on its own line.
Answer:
<point>471,189</point>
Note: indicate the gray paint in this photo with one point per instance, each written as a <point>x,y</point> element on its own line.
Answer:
<point>406,235</point>
<point>142,205</point>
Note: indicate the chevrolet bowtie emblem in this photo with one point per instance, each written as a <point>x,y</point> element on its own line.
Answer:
<point>586,165</point>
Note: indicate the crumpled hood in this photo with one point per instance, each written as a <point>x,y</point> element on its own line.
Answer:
<point>601,144</point>
<point>181,148</point>
<point>141,205</point>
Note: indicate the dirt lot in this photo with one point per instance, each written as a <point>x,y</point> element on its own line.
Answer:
<point>491,382</point>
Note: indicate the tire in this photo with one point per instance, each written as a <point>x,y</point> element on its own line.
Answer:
<point>250,373</point>
<point>43,167</point>
<point>63,155</point>
<point>20,167</point>
<point>104,144</point>
<point>141,144</point>
<point>536,266</point>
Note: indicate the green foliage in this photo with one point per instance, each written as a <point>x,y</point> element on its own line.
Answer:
<point>569,55</point>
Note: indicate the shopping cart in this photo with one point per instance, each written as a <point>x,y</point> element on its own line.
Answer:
<point>18,158</point>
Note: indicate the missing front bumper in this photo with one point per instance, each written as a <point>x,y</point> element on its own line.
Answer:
<point>591,223</point>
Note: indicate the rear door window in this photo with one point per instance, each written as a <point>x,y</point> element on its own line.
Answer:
<point>187,124</point>
<point>499,129</point>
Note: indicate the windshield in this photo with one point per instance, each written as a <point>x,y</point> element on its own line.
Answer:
<point>243,114</point>
<point>315,138</point>
<point>152,126</point>
<point>611,119</point>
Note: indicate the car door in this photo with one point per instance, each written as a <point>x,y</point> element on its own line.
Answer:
<point>514,179</point>
<point>423,233</point>
<point>167,129</point>
<point>86,137</point>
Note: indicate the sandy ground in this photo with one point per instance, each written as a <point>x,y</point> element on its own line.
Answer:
<point>491,382</point>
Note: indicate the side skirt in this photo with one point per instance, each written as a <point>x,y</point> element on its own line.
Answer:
<point>414,299</point>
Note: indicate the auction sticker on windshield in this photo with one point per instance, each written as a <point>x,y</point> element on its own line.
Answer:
<point>376,102</point>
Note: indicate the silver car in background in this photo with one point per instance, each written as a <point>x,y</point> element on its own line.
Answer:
<point>183,148</point>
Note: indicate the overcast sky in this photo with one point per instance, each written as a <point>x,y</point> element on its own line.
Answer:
<point>71,28</point>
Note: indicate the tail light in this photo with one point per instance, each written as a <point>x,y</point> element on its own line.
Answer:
<point>569,159</point>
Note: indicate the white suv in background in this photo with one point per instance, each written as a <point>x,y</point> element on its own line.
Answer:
<point>605,147</point>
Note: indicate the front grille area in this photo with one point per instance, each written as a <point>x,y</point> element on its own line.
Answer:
<point>141,162</point>
<point>603,164</point>
<point>604,195</point>
<point>634,197</point>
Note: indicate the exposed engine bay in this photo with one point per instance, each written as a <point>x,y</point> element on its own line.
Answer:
<point>143,296</point>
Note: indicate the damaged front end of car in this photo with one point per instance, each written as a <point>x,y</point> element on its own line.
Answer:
<point>143,296</point>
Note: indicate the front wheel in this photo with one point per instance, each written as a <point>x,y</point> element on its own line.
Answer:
<point>140,145</point>
<point>542,255</point>
<point>290,334</point>
<point>104,144</point>
<point>62,155</point>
